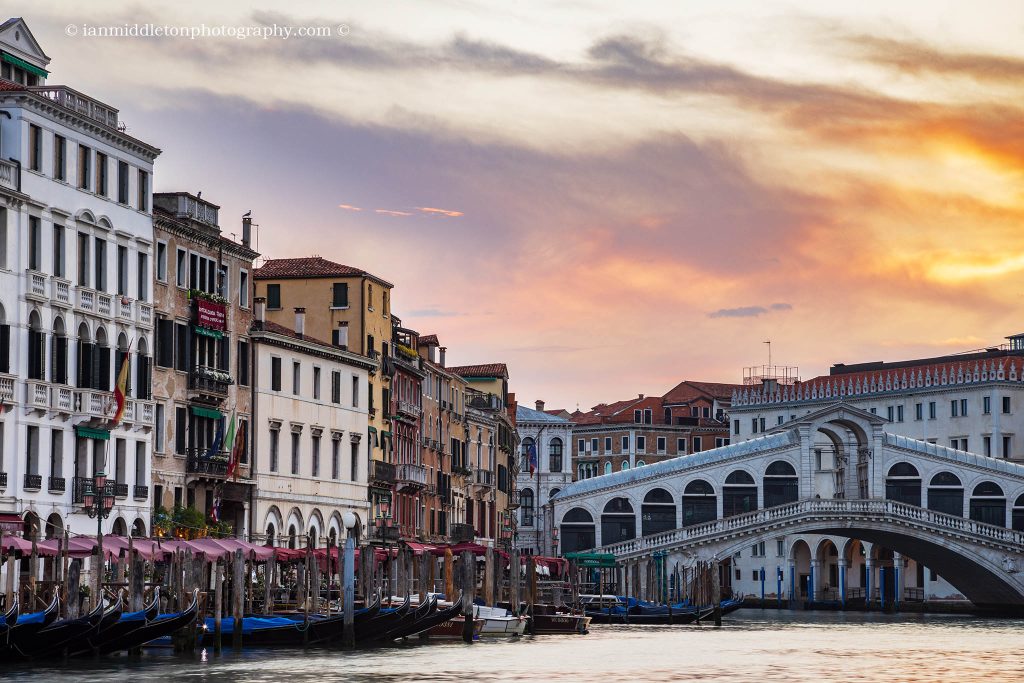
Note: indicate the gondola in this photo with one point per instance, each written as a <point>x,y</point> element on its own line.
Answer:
<point>10,618</point>
<point>115,632</point>
<point>385,620</point>
<point>27,626</point>
<point>162,625</point>
<point>51,640</point>
<point>409,620</point>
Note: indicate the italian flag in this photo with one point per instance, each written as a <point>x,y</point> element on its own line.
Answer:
<point>120,391</point>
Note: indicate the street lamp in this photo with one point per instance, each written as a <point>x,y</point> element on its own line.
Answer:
<point>98,501</point>
<point>350,521</point>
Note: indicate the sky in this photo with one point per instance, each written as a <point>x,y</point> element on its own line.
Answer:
<point>609,197</point>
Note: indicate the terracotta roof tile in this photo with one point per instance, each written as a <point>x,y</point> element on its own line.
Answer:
<point>429,339</point>
<point>483,370</point>
<point>688,390</point>
<point>10,85</point>
<point>309,266</point>
<point>273,327</point>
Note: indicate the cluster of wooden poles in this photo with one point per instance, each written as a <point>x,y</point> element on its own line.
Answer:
<point>654,581</point>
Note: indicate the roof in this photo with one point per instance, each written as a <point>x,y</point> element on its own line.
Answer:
<point>10,85</point>
<point>274,328</point>
<point>688,390</point>
<point>309,267</point>
<point>524,414</point>
<point>484,370</point>
<point>429,340</point>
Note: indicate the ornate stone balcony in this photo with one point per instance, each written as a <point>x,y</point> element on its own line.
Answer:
<point>410,477</point>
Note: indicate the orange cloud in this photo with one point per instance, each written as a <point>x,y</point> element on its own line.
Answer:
<point>392,212</point>
<point>349,207</point>
<point>439,212</point>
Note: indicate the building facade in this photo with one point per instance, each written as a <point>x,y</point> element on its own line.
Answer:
<point>309,422</point>
<point>202,376</point>
<point>76,252</point>
<point>545,440</point>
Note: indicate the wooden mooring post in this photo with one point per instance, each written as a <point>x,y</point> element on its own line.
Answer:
<point>468,593</point>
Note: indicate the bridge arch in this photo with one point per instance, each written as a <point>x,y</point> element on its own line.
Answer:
<point>618,521</point>
<point>988,503</point>
<point>700,504</point>
<point>577,530</point>
<point>946,494</point>
<point>903,484</point>
<point>1017,519</point>
<point>658,512</point>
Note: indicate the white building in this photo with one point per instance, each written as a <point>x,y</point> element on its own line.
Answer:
<point>970,402</point>
<point>76,242</point>
<point>551,437</point>
<point>309,422</point>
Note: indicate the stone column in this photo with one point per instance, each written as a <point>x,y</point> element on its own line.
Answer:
<point>812,581</point>
<point>842,581</point>
<point>792,584</point>
<point>869,578</point>
<point>898,580</point>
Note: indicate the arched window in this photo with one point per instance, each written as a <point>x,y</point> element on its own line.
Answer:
<point>578,531</point>
<point>270,534</point>
<point>120,354</point>
<point>657,513</point>
<point>988,504</point>
<point>292,534</point>
<point>554,492</point>
<point>36,347</point>
<point>739,495</point>
<point>781,485</point>
<point>1018,513</point>
<point>59,360</point>
<point>640,463</point>
<point>699,503</point>
<point>555,454</point>
<point>618,521</point>
<point>624,466</point>
<point>903,484</point>
<point>144,370</point>
<point>607,467</point>
<point>85,357</point>
<point>313,536</point>
<point>526,506</point>
<point>101,361</point>
<point>527,448</point>
<point>946,494</point>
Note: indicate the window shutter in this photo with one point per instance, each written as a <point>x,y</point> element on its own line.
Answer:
<point>60,360</point>
<point>5,348</point>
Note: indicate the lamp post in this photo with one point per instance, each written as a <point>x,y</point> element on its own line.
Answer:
<point>348,518</point>
<point>98,501</point>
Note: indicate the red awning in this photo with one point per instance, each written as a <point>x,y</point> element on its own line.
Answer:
<point>11,522</point>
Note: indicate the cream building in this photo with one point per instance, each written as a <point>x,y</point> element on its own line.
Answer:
<point>310,423</point>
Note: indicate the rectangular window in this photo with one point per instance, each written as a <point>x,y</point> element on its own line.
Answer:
<point>101,174</point>
<point>275,445</point>
<point>625,444</point>
<point>181,268</point>
<point>181,351</point>
<point>899,413</point>
<point>582,446</point>
<point>142,275</point>
<point>339,337</point>
<point>760,423</point>
<point>100,261</point>
<point>753,425</point>
<point>243,434</point>
<point>243,288</point>
<point>931,410</point>
<point>143,191</point>
<point>641,444</point>
<point>953,405</point>
<point>1006,405</point>
<point>164,342</point>
<point>159,429</point>
<point>273,297</point>
<point>35,243</point>
<point>59,249</point>
<point>161,261</point>
<point>593,445</point>
<point>243,363</point>
<point>780,547</point>
<point>779,419</point>
<point>140,463</point>
<point>697,444</point>
<point>662,444</point>
<point>354,458</point>
<point>607,444</point>
<point>35,147</point>
<point>680,446</point>
<point>315,454</point>
<point>275,373</point>
<point>296,377</point>
<point>954,444</point>
<point>986,405</point>
<point>1007,442</point>
<point>122,270</point>
<point>638,416</point>
<point>963,407</point>
<point>180,429</point>
<point>84,167</point>
<point>295,452</point>
<point>987,445</point>
<point>355,391</point>
<point>335,458</point>
<point>122,182</point>
<point>339,293</point>
<point>335,387</point>
<point>60,157</point>
<point>918,411</point>
<point>316,382</point>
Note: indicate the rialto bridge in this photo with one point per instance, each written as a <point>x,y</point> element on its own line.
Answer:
<point>955,512</point>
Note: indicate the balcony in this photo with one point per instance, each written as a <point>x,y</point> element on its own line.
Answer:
<point>140,492</point>
<point>382,472</point>
<point>77,102</point>
<point>211,381</point>
<point>104,304</point>
<point>124,311</point>
<point>94,404</point>
<point>78,487</point>
<point>60,292</point>
<point>62,399</point>
<point>3,480</point>
<point>483,479</point>
<point>463,533</point>
<point>9,175</point>
<point>33,482</point>
<point>144,314</point>
<point>202,462</point>
<point>120,490</point>
<point>56,484</point>
<point>384,533</point>
<point>143,412</point>
<point>37,394</point>
<point>36,285</point>
<point>411,478</point>
<point>7,388</point>
<point>409,409</point>
<point>86,299</point>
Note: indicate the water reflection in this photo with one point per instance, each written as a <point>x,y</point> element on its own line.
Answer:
<point>752,646</point>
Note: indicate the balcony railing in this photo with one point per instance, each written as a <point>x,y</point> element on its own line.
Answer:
<point>7,388</point>
<point>94,403</point>
<point>61,291</point>
<point>120,490</point>
<point>86,299</point>
<point>37,393</point>
<point>411,477</point>
<point>483,478</point>
<point>463,533</point>
<point>144,314</point>
<point>62,399</point>
<point>33,482</point>
<point>124,309</point>
<point>78,487</point>
<point>36,284</point>
<point>104,304</point>
<point>202,462</point>
<point>140,492</point>
<point>57,484</point>
<point>9,175</point>
<point>79,103</point>
<point>384,533</point>
<point>382,472</point>
<point>209,380</point>
<point>409,408</point>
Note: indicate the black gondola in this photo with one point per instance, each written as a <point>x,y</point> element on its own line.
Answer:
<point>51,640</point>
<point>162,625</point>
<point>386,620</point>
<point>113,633</point>
<point>413,622</point>
<point>10,619</point>
<point>439,617</point>
<point>28,625</point>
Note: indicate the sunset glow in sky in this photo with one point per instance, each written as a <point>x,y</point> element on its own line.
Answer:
<point>609,197</point>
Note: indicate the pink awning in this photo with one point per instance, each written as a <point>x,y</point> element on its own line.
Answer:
<point>17,544</point>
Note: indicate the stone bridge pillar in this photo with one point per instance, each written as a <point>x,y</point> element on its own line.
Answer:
<point>793,584</point>
<point>869,579</point>
<point>813,579</point>
<point>898,580</point>
<point>842,581</point>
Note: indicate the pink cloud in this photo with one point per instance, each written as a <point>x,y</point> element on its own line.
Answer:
<point>349,207</point>
<point>439,212</point>
<point>391,212</point>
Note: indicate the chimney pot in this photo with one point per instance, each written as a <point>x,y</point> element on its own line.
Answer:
<point>261,310</point>
<point>540,406</point>
<point>246,230</point>
<point>641,397</point>
<point>441,350</point>
<point>300,322</point>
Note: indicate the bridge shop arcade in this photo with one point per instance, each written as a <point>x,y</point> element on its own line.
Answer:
<point>877,521</point>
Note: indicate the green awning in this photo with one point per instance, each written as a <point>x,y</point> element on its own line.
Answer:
<point>207,412</point>
<point>90,432</point>
<point>31,68</point>
<point>373,430</point>
<point>216,334</point>
<point>592,559</point>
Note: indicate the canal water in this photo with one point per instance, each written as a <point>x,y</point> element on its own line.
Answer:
<point>752,645</point>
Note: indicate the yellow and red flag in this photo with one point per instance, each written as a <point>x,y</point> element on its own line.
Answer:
<point>120,391</point>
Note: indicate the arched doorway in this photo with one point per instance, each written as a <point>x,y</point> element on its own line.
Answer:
<point>780,484</point>
<point>657,513</point>
<point>578,531</point>
<point>699,503</point>
<point>271,534</point>
<point>54,527</point>
<point>120,528</point>
<point>618,521</point>
<point>988,504</point>
<point>946,494</point>
<point>739,495</point>
<point>139,528</point>
<point>826,579</point>
<point>800,574</point>
<point>903,484</point>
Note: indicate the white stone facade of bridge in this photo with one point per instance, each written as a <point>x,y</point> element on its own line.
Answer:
<point>982,560</point>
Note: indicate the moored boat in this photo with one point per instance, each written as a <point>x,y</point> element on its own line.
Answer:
<point>546,620</point>
<point>499,621</point>
<point>454,627</point>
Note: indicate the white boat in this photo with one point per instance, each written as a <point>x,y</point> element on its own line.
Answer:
<point>499,621</point>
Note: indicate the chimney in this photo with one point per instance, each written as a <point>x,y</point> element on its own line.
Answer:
<point>300,322</point>
<point>246,230</point>
<point>441,350</point>
<point>261,311</point>
<point>540,406</point>
<point>641,397</point>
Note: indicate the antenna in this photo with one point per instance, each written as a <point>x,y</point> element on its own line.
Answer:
<point>769,343</point>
